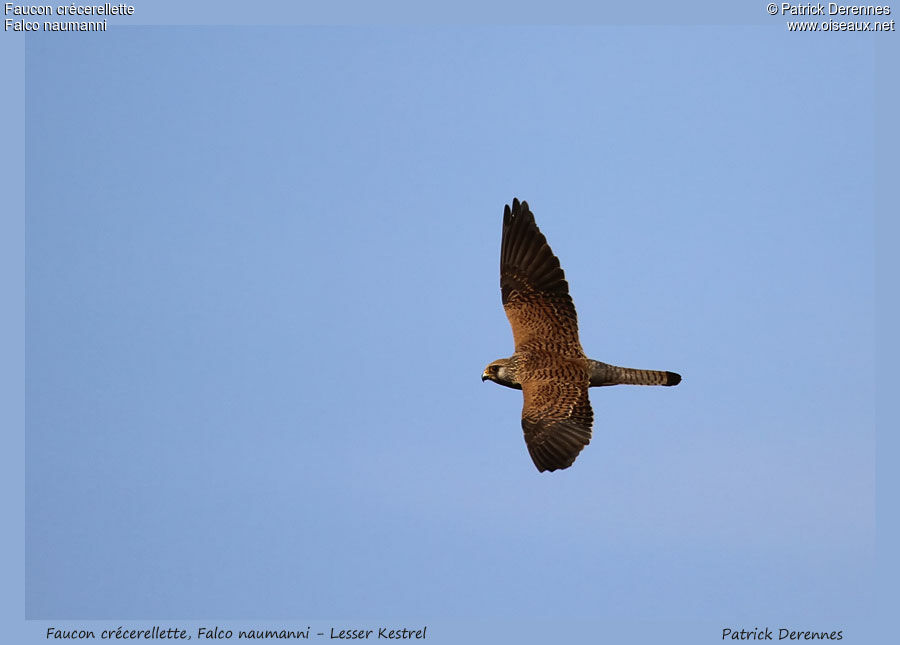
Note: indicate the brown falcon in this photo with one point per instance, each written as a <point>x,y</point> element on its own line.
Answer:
<point>549,365</point>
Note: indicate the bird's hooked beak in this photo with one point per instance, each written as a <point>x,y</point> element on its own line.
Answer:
<point>485,376</point>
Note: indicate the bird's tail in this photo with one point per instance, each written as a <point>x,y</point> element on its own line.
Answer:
<point>605,374</point>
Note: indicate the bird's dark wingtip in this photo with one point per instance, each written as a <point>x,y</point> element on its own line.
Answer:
<point>519,206</point>
<point>519,210</point>
<point>672,378</point>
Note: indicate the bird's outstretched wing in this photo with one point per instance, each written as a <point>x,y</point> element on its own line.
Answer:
<point>552,368</point>
<point>556,418</point>
<point>533,286</point>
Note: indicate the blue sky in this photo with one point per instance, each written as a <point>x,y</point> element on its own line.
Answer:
<point>261,285</point>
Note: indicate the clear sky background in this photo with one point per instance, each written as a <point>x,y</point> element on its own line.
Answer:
<point>262,283</point>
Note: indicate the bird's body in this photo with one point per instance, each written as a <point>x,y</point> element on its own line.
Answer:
<point>549,365</point>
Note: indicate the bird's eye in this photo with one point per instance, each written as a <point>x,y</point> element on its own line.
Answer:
<point>495,369</point>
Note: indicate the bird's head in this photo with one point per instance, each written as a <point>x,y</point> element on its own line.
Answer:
<point>503,372</point>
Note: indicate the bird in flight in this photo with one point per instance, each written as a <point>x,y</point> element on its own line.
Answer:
<point>549,365</point>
